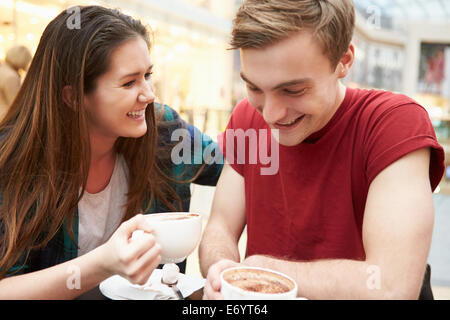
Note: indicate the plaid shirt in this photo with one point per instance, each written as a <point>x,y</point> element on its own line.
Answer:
<point>61,248</point>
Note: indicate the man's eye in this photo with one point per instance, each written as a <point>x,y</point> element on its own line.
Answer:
<point>294,92</point>
<point>253,89</point>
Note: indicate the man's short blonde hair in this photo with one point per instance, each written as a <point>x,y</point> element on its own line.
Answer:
<point>261,23</point>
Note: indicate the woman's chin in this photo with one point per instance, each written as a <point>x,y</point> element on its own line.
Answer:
<point>136,133</point>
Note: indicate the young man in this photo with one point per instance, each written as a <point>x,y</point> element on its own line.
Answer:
<point>349,213</point>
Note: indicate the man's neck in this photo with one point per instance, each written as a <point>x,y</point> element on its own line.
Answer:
<point>340,96</point>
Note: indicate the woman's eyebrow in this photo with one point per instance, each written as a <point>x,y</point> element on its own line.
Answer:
<point>135,73</point>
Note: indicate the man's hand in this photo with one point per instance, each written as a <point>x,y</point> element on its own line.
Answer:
<point>212,287</point>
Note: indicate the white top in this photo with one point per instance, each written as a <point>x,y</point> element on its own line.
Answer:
<point>100,214</point>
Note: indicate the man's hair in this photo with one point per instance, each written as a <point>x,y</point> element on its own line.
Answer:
<point>261,23</point>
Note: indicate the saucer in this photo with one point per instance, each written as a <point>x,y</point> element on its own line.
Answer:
<point>119,288</point>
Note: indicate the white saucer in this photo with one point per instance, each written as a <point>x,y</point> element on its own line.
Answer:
<point>119,288</point>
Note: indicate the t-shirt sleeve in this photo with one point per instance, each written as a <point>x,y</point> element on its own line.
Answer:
<point>395,133</point>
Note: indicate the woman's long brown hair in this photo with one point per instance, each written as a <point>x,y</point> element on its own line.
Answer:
<point>44,143</point>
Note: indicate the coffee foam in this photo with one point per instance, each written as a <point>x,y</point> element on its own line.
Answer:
<point>258,281</point>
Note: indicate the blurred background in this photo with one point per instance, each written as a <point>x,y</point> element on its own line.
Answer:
<point>401,46</point>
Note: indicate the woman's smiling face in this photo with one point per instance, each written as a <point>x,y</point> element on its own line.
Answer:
<point>117,105</point>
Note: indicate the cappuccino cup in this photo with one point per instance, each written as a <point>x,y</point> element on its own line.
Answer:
<point>178,234</point>
<point>252,283</point>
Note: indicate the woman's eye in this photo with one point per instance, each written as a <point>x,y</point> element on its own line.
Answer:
<point>129,84</point>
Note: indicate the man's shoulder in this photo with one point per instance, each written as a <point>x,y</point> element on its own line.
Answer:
<point>381,100</point>
<point>374,105</point>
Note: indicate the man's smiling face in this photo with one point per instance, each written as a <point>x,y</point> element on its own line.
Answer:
<point>293,85</point>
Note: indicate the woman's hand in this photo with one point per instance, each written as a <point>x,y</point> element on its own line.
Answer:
<point>134,260</point>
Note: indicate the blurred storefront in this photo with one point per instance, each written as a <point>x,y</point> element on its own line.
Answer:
<point>193,69</point>
<point>404,46</point>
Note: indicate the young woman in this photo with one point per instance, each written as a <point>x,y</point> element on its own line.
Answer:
<point>83,150</point>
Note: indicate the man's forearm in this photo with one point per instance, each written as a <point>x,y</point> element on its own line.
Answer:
<point>341,279</point>
<point>215,246</point>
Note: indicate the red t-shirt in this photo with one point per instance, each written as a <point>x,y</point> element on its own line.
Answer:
<point>313,207</point>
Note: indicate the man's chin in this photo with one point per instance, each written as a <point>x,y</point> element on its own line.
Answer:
<point>288,141</point>
<point>289,138</point>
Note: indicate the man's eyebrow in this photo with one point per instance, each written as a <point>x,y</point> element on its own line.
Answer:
<point>302,81</point>
<point>136,73</point>
<point>246,80</point>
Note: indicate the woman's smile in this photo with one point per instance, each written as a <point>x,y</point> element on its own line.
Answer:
<point>137,115</point>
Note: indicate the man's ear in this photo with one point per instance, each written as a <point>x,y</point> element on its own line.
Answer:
<point>346,62</point>
<point>67,96</point>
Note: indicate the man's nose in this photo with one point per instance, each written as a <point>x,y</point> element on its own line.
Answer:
<point>273,111</point>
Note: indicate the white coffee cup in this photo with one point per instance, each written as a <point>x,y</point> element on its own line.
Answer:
<point>252,283</point>
<point>178,234</point>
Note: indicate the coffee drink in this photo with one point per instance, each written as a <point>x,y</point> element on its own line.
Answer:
<point>250,283</point>
<point>258,281</point>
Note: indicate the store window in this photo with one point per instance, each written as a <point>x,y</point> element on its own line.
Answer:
<point>377,65</point>
<point>434,69</point>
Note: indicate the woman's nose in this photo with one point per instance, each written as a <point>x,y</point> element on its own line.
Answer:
<point>147,95</point>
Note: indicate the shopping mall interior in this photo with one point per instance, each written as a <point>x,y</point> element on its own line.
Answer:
<point>401,46</point>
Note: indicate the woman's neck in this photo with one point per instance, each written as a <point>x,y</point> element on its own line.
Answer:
<point>102,148</point>
<point>103,159</point>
